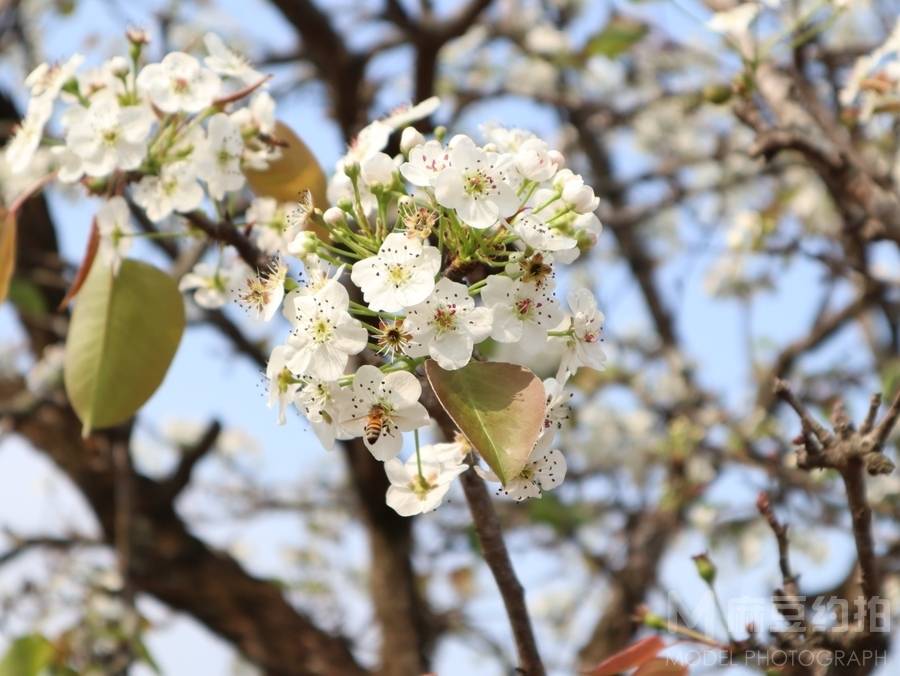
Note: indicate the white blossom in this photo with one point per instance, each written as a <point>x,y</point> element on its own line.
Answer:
<point>324,335</point>
<point>27,136</point>
<point>545,470</point>
<point>412,492</point>
<point>219,160</point>
<point>394,399</point>
<point>272,230</point>
<point>116,229</point>
<point>175,189</point>
<point>179,84</point>
<point>108,136</point>
<point>542,236</point>
<point>401,275</point>
<point>425,163</point>
<point>227,63</point>
<point>583,345</point>
<point>283,386</point>
<point>447,325</point>
<point>378,170</point>
<point>523,312</point>
<point>475,185</point>
<point>262,294</point>
<point>213,285</point>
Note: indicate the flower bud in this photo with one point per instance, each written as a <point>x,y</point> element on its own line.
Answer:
<point>717,93</point>
<point>580,196</point>
<point>118,66</point>
<point>706,569</point>
<point>303,244</point>
<point>137,36</point>
<point>409,139</point>
<point>333,216</point>
<point>558,158</point>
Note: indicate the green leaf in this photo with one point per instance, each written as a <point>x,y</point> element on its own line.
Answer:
<point>124,333</point>
<point>27,656</point>
<point>617,36</point>
<point>27,297</point>
<point>8,228</point>
<point>498,407</point>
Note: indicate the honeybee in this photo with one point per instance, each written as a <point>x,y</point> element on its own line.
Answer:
<point>374,423</point>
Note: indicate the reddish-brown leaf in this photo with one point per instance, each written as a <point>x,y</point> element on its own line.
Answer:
<point>633,656</point>
<point>89,254</point>
<point>662,666</point>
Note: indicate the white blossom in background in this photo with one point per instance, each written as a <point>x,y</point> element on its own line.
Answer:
<point>47,372</point>
<point>219,161</point>
<point>179,84</point>
<point>283,386</point>
<point>175,189</point>
<point>228,63</point>
<point>272,230</point>
<point>213,285</point>
<point>116,230</point>
<point>108,136</point>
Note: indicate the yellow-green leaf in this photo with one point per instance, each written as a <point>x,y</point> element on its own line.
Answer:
<point>27,656</point>
<point>7,252</point>
<point>617,36</point>
<point>124,333</point>
<point>295,171</point>
<point>498,407</point>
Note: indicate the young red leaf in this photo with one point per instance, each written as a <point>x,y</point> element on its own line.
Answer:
<point>662,666</point>
<point>628,658</point>
<point>89,254</point>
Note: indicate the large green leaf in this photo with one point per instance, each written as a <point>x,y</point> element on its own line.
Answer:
<point>498,407</point>
<point>27,656</point>
<point>124,333</point>
<point>616,37</point>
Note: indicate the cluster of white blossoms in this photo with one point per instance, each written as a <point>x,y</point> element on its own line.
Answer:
<point>423,254</point>
<point>446,244</point>
<point>170,135</point>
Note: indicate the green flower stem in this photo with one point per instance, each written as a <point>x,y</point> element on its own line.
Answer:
<point>418,456</point>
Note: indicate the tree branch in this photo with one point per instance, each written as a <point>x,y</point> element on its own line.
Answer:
<point>490,535</point>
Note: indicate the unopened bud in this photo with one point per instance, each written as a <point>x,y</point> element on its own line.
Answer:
<point>118,66</point>
<point>654,621</point>
<point>409,139</point>
<point>717,93</point>
<point>706,569</point>
<point>303,244</point>
<point>557,158</point>
<point>137,36</point>
<point>333,216</point>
